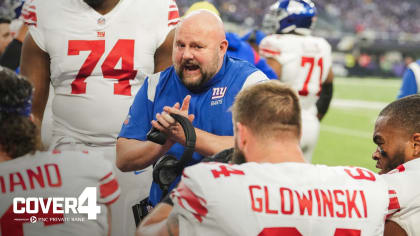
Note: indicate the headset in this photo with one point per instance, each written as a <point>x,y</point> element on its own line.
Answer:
<point>169,167</point>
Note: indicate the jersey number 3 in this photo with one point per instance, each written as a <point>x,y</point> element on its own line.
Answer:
<point>123,49</point>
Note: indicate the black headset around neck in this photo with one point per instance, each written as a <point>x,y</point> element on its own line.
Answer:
<point>169,167</point>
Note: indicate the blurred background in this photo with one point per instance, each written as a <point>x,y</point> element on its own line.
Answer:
<point>369,37</point>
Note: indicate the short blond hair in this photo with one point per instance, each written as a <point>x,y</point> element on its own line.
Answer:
<point>268,109</point>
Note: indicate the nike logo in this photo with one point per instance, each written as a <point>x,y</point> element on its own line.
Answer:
<point>137,172</point>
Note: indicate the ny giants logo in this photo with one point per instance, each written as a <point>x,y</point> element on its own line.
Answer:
<point>218,93</point>
<point>217,96</point>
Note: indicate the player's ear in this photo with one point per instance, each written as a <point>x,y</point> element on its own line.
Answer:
<point>241,135</point>
<point>415,139</point>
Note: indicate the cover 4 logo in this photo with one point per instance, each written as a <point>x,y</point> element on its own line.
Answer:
<point>84,204</point>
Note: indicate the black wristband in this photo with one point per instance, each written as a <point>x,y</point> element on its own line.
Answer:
<point>324,98</point>
<point>11,55</point>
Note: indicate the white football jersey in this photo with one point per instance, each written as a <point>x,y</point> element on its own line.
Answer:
<point>55,174</point>
<point>280,199</point>
<point>98,62</point>
<point>405,204</point>
<point>305,60</point>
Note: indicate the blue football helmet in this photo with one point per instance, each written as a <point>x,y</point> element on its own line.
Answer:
<point>291,15</point>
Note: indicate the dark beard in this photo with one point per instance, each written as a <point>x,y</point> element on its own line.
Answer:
<point>196,86</point>
<point>398,159</point>
<point>94,3</point>
<point>238,157</point>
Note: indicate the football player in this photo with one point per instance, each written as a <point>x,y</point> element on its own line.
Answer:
<point>274,192</point>
<point>301,60</point>
<point>26,173</point>
<point>96,55</point>
<point>397,136</point>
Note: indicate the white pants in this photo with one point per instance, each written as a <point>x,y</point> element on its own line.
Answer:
<point>310,134</point>
<point>134,187</point>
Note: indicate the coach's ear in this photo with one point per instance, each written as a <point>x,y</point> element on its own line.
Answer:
<point>415,139</point>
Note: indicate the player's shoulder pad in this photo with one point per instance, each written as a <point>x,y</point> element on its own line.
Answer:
<point>269,46</point>
<point>324,43</point>
<point>212,171</point>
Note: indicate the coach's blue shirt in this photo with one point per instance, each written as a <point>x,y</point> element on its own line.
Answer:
<point>210,105</point>
<point>411,80</point>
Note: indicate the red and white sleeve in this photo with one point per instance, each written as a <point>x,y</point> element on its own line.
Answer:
<point>29,15</point>
<point>109,189</point>
<point>394,205</point>
<point>189,200</point>
<point>173,14</point>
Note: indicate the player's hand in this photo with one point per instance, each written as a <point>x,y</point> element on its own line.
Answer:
<point>168,125</point>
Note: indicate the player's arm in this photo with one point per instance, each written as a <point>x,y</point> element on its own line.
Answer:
<point>209,144</point>
<point>271,53</point>
<point>325,97</point>
<point>275,65</point>
<point>133,154</point>
<point>35,65</point>
<point>163,55</point>
<point>393,229</point>
<point>159,222</point>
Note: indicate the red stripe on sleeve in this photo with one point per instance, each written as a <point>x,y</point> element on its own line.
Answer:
<point>112,201</point>
<point>393,203</point>
<point>270,51</point>
<point>173,23</point>
<point>106,176</point>
<point>108,188</point>
<point>173,14</point>
<point>29,14</point>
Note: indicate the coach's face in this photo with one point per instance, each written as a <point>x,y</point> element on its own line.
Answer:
<point>198,52</point>
<point>392,145</point>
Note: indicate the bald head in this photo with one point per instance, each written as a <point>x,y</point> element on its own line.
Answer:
<point>199,48</point>
<point>204,21</point>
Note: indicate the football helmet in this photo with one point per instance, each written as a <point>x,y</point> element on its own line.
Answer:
<point>290,15</point>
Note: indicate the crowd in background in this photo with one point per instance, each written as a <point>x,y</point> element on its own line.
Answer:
<point>373,22</point>
<point>355,16</point>
<point>376,15</point>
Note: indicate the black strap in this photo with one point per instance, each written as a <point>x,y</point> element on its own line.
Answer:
<point>324,99</point>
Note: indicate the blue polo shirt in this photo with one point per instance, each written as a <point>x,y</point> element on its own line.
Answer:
<point>210,105</point>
